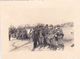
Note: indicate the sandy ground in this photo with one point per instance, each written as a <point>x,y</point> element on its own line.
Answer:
<point>26,45</point>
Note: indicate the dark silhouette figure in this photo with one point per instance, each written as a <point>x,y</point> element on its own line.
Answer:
<point>9,37</point>
<point>35,39</point>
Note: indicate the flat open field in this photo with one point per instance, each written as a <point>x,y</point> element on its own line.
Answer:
<point>26,45</point>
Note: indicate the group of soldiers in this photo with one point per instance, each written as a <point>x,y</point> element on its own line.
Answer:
<point>42,35</point>
<point>18,33</point>
<point>47,35</point>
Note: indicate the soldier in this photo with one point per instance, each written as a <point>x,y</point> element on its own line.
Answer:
<point>11,31</point>
<point>41,38</point>
<point>45,33</point>
<point>59,36</point>
<point>35,38</point>
<point>58,32</point>
<point>51,32</point>
<point>51,38</point>
<point>9,36</point>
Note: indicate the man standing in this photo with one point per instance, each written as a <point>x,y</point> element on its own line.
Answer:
<point>46,31</point>
<point>9,36</point>
<point>35,38</point>
<point>59,34</point>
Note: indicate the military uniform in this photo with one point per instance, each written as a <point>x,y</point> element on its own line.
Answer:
<point>58,33</point>
<point>59,36</point>
<point>46,31</point>
<point>35,38</point>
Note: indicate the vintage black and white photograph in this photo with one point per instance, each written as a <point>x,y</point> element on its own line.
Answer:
<point>41,29</point>
<point>35,29</point>
<point>42,37</point>
<point>38,27</point>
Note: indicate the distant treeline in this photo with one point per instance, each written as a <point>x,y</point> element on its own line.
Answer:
<point>69,24</point>
<point>20,32</point>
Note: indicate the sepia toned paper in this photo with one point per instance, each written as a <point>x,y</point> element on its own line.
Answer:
<point>31,13</point>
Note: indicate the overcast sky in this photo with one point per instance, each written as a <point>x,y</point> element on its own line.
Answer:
<point>21,13</point>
